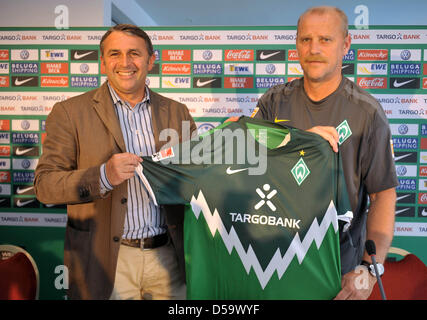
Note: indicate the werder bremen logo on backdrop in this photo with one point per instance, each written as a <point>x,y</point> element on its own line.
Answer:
<point>300,171</point>
<point>344,131</point>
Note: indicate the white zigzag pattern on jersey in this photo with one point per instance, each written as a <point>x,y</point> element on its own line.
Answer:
<point>297,248</point>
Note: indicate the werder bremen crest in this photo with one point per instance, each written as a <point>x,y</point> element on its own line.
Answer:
<point>344,131</point>
<point>300,171</point>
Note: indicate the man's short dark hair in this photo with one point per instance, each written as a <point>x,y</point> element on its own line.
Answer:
<point>131,30</point>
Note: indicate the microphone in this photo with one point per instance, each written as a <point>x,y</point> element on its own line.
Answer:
<point>371,250</point>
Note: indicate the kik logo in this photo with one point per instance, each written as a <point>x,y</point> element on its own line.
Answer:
<point>344,132</point>
<point>265,198</point>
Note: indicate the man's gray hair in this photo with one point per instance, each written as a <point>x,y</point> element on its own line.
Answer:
<point>324,9</point>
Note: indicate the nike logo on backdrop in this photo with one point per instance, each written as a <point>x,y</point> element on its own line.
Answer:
<point>402,197</point>
<point>21,82</point>
<point>400,211</point>
<point>20,152</point>
<point>266,56</point>
<point>231,171</point>
<point>20,203</point>
<point>79,56</point>
<point>399,84</point>
<point>20,191</point>
<point>203,83</point>
<point>401,157</point>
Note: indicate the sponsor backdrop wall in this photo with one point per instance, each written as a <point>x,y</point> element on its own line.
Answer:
<point>217,72</point>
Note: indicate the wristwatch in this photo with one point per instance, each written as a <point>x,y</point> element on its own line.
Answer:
<point>371,268</point>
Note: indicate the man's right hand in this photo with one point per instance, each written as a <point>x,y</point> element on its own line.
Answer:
<point>121,166</point>
<point>328,133</point>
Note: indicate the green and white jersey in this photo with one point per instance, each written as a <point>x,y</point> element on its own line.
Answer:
<point>267,233</point>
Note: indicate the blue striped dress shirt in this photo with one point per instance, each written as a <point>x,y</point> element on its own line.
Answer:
<point>143,218</point>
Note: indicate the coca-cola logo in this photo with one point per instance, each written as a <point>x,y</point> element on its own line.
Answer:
<point>373,54</point>
<point>239,55</point>
<point>422,198</point>
<point>372,83</point>
<point>425,83</point>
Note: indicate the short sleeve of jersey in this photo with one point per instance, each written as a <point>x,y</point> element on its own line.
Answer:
<point>168,183</point>
<point>378,157</point>
<point>171,175</point>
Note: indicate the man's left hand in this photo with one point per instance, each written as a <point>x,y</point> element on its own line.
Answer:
<point>356,285</point>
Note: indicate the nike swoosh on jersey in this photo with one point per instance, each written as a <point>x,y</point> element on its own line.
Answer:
<point>231,171</point>
<point>280,120</point>
<point>399,84</point>
<point>20,191</point>
<point>20,152</point>
<point>20,82</point>
<point>263,56</point>
<point>20,203</point>
<point>400,211</point>
<point>79,56</point>
<point>203,83</point>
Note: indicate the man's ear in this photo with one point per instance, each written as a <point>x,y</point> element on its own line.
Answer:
<point>347,44</point>
<point>151,61</point>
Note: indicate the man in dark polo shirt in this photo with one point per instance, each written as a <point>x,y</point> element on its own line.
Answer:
<point>326,103</point>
